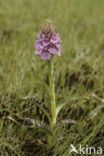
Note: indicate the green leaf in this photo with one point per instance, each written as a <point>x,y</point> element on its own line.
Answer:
<point>58,108</point>
<point>95,111</point>
<point>31,123</point>
<point>65,121</point>
<point>45,112</point>
<point>42,106</point>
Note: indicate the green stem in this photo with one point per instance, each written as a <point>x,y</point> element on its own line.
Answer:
<point>52,93</point>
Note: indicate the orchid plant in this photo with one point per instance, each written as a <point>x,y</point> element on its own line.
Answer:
<point>47,46</point>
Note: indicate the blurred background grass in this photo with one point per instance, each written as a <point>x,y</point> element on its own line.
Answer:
<point>79,72</point>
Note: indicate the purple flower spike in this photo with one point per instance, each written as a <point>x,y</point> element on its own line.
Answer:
<point>48,42</point>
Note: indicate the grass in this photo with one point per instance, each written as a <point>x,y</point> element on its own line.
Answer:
<point>79,75</point>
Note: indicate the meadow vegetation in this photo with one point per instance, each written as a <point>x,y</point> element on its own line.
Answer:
<point>79,75</point>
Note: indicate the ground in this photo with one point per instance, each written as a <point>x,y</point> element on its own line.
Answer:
<point>79,75</point>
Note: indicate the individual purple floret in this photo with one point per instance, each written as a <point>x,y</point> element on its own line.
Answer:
<point>48,42</point>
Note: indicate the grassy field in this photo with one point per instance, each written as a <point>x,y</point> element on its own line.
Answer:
<point>79,75</point>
